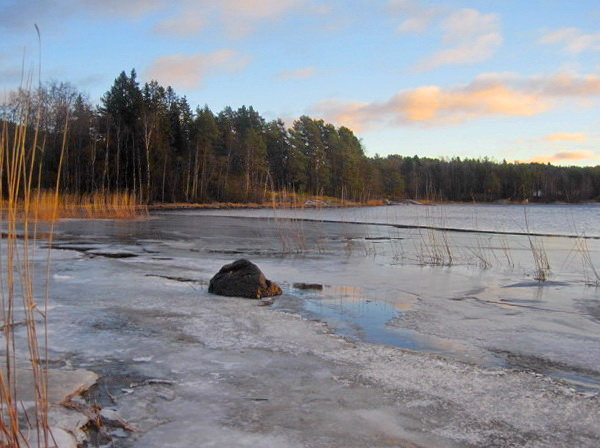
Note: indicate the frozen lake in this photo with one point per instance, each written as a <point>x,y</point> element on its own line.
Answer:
<point>448,338</point>
<point>545,219</point>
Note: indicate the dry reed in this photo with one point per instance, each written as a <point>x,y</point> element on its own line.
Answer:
<point>591,273</point>
<point>23,205</point>
<point>47,206</point>
<point>23,358</point>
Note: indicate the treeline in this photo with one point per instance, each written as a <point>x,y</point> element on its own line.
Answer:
<point>483,180</point>
<point>147,140</point>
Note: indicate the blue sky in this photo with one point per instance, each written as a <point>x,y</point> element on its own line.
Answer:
<point>510,79</point>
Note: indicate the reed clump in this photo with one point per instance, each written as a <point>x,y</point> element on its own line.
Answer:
<point>591,273</point>
<point>48,207</point>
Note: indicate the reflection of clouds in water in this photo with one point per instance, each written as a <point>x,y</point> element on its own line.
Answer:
<point>403,306</point>
<point>440,344</point>
<point>357,294</point>
<point>345,290</point>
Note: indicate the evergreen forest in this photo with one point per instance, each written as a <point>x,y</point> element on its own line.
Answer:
<point>148,140</point>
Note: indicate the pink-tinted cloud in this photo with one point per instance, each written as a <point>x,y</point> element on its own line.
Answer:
<point>572,40</point>
<point>188,71</point>
<point>469,36</point>
<point>298,74</point>
<point>567,156</point>
<point>566,137</point>
<point>499,94</point>
<point>567,84</point>
<point>434,105</point>
<point>557,85</point>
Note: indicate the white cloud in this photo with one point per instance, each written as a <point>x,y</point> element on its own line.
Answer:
<point>237,17</point>
<point>468,37</point>
<point>180,18</point>
<point>22,14</point>
<point>188,71</point>
<point>418,16</point>
<point>182,25</point>
<point>572,40</point>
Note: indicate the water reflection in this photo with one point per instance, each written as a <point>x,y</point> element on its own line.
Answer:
<point>349,311</point>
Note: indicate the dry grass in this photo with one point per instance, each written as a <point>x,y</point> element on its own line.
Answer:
<point>47,206</point>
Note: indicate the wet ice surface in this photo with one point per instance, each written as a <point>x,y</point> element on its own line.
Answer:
<point>533,218</point>
<point>489,350</point>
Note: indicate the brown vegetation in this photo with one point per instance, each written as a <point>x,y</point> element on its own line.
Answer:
<point>22,355</point>
<point>47,206</point>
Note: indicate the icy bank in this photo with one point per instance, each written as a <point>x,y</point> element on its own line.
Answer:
<point>187,368</point>
<point>250,376</point>
<point>66,424</point>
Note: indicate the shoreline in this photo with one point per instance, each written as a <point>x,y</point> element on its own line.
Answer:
<point>317,205</point>
<point>322,219</point>
<point>423,227</point>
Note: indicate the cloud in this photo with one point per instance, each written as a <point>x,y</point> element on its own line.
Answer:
<point>188,71</point>
<point>355,115</point>
<point>566,156</point>
<point>567,84</point>
<point>238,17</point>
<point>182,25</point>
<point>22,14</point>
<point>565,137</point>
<point>179,18</point>
<point>489,94</point>
<point>573,40</point>
<point>417,16</point>
<point>558,85</point>
<point>301,73</point>
<point>434,105</point>
<point>468,37</point>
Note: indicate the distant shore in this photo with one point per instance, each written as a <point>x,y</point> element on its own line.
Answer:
<point>317,203</point>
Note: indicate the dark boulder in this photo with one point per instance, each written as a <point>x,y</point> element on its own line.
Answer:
<point>242,279</point>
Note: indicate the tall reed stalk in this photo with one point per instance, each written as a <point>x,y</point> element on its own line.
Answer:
<point>591,273</point>
<point>23,358</point>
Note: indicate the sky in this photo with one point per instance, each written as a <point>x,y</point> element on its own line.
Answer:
<point>515,80</point>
